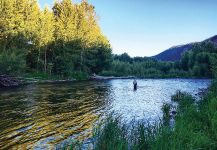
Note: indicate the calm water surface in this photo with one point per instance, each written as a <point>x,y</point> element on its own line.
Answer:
<point>43,115</point>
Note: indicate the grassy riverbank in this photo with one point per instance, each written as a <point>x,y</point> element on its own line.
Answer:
<point>40,77</point>
<point>7,81</point>
<point>43,76</point>
<point>195,128</point>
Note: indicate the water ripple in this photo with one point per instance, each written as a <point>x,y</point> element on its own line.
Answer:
<point>42,116</point>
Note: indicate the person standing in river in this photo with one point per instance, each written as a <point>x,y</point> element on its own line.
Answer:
<point>135,84</point>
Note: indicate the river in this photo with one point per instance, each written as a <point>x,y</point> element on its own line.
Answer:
<point>40,116</point>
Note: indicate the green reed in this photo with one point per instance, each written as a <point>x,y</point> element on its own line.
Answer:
<point>195,128</point>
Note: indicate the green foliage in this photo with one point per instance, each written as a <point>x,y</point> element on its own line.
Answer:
<point>180,96</point>
<point>147,67</point>
<point>199,62</point>
<point>68,39</point>
<point>80,44</point>
<point>79,75</point>
<point>12,61</point>
<point>113,135</point>
<point>60,41</point>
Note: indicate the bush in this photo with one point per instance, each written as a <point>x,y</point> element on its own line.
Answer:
<point>79,75</point>
<point>12,61</point>
<point>180,96</point>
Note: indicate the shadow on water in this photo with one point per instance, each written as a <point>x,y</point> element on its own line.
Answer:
<point>43,115</point>
<point>40,116</point>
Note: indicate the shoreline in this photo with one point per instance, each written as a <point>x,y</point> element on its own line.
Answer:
<point>13,81</point>
<point>97,77</point>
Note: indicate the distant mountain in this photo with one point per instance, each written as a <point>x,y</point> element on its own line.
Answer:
<point>174,53</point>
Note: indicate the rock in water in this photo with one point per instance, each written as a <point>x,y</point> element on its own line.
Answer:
<point>8,81</point>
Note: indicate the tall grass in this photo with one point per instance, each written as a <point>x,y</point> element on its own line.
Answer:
<point>140,136</point>
<point>111,135</point>
<point>195,128</point>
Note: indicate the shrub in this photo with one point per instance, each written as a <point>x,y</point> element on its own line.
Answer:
<point>12,61</point>
<point>180,96</point>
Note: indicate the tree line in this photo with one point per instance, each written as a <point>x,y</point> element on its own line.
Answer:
<point>66,40</point>
<point>62,40</point>
<point>200,62</point>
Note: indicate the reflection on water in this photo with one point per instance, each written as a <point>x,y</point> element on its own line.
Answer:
<point>37,115</point>
<point>41,116</point>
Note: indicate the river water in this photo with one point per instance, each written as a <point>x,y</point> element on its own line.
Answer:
<point>40,116</point>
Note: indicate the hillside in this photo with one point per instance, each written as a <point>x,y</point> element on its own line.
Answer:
<point>174,53</point>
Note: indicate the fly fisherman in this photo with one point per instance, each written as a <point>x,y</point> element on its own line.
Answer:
<point>135,84</point>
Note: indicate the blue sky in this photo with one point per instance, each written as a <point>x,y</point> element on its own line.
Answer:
<point>147,27</point>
